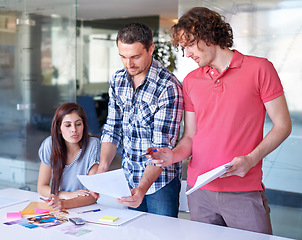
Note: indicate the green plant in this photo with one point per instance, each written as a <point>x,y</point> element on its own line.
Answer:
<point>164,52</point>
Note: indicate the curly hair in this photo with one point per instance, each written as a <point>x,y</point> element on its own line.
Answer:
<point>203,24</point>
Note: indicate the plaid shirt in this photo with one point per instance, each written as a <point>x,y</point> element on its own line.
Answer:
<point>146,117</point>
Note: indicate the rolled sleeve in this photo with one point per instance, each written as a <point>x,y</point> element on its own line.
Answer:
<point>167,119</point>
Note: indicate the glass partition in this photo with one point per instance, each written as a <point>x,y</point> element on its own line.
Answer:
<point>271,29</point>
<point>99,59</point>
<point>37,74</point>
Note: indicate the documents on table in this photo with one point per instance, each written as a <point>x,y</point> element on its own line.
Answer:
<point>209,177</point>
<point>112,183</point>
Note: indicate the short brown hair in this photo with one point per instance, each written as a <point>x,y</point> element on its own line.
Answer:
<point>135,32</point>
<point>203,24</point>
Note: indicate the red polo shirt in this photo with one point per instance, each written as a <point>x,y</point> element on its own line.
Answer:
<point>230,114</point>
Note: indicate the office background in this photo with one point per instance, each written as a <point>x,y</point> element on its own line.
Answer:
<point>55,51</point>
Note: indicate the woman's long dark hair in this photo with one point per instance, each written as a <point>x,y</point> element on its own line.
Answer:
<point>58,149</point>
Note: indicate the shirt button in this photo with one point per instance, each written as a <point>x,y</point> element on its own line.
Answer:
<point>212,72</point>
<point>218,80</point>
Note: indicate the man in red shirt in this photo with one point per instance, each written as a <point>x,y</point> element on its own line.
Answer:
<point>226,100</point>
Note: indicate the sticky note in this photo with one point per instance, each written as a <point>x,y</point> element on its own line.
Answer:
<point>41,210</point>
<point>108,219</point>
<point>14,215</point>
<point>27,212</point>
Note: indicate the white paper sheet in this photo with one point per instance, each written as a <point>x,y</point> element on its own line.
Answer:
<point>112,183</point>
<point>209,177</point>
<point>8,201</point>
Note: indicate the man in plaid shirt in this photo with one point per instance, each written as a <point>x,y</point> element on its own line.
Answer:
<point>144,110</point>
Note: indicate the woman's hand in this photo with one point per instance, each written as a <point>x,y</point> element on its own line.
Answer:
<point>74,194</point>
<point>55,202</point>
<point>94,194</point>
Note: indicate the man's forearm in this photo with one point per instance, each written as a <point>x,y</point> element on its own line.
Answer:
<point>183,150</point>
<point>151,173</point>
<point>279,114</point>
<point>108,152</point>
<point>271,141</point>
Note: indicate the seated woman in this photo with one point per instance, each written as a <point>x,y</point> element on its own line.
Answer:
<point>69,151</point>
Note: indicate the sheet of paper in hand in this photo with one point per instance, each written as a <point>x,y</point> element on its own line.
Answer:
<point>112,183</point>
<point>209,177</point>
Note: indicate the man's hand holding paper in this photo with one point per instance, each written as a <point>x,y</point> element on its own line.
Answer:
<point>239,166</point>
<point>209,176</point>
<point>112,183</point>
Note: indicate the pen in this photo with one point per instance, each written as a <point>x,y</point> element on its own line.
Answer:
<point>155,150</point>
<point>227,166</point>
<point>43,199</point>
<point>94,210</point>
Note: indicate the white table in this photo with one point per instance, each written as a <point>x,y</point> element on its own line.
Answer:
<point>149,226</point>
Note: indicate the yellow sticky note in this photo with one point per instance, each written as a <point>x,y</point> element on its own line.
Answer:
<point>108,219</point>
<point>27,212</point>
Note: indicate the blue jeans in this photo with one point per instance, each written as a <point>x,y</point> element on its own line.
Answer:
<point>163,202</point>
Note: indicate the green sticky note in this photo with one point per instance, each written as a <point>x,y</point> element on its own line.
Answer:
<point>108,219</point>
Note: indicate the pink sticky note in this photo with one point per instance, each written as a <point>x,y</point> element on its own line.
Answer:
<point>14,215</point>
<point>41,210</point>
